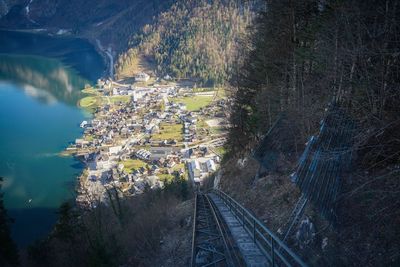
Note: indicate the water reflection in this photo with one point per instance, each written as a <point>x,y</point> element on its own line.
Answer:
<point>76,53</point>
<point>38,118</point>
<point>47,80</point>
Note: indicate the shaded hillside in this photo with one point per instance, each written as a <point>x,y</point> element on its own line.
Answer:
<point>110,21</point>
<point>304,56</point>
<point>74,52</point>
<point>304,53</point>
<point>193,39</point>
<point>8,249</point>
<point>150,229</point>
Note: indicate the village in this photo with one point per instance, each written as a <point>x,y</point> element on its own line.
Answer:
<point>146,134</point>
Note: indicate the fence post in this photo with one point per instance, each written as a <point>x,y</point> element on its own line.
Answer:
<point>254,230</point>
<point>243,217</point>
<point>272,252</point>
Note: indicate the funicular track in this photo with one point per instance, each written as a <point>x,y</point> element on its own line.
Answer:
<point>209,245</point>
<point>226,234</point>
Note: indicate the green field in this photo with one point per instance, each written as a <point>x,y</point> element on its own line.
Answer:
<point>90,91</point>
<point>217,130</point>
<point>90,102</point>
<point>122,98</point>
<point>133,164</point>
<point>167,178</point>
<point>201,124</point>
<point>204,89</point>
<point>169,132</point>
<point>220,150</point>
<point>179,166</point>
<point>194,103</point>
<point>89,137</point>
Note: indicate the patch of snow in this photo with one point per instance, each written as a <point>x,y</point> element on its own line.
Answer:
<point>108,53</point>
<point>4,9</point>
<point>324,243</point>
<point>62,31</point>
<point>27,12</point>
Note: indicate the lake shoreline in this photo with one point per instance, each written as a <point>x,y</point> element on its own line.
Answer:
<point>60,46</point>
<point>106,54</point>
<point>42,77</point>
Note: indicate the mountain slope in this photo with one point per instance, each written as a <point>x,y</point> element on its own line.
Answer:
<point>193,39</point>
<point>308,59</point>
<point>110,21</point>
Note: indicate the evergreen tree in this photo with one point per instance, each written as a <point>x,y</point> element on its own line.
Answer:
<point>193,39</point>
<point>8,249</point>
<point>66,224</point>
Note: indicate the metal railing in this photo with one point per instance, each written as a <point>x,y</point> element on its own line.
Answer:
<point>208,236</point>
<point>192,261</point>
<point>273,248</point>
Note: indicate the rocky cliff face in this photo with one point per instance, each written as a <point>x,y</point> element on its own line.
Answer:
<point>43,9</point>
<point>7,5</point>
<point>3,8</point>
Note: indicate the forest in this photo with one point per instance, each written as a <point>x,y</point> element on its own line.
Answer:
<point>193,39</point>
<point>305,59</point>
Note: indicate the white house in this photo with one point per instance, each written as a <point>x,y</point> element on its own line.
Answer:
<point>194,170</point>
<point>83,124</point>
<point>143,154</point>
<point>115,149</point>
<point>100,165</point>
<point>120,167</point>
<point>211,165</point>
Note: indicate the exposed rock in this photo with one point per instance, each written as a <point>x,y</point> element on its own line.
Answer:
<point>43,9</point>
<point>241,163</point>
<point>6,5</point>
<point>324,243</point>
<point>217,179</point>
<point>3,8</point>
<point>305,233</point>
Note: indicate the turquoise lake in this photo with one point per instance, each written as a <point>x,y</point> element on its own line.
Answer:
<point>40,82</point>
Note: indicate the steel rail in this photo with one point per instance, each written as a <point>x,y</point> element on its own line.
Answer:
<point>278,253</point>
<point>235,255</point>
<point>208,237</point>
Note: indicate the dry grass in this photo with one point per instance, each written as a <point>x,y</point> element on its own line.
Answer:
<point>169,132</point>
<point>366,232</point>
<point>151,229</point>
<point>175,249</point>
<point>271,198</point>
<point>133,164</point>
<point>194,103</point>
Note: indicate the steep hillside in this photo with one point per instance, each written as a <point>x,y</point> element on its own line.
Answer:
<point>110,21</point>
<point>193,39</point>
<point>305,58</point>
<point>150,229</point>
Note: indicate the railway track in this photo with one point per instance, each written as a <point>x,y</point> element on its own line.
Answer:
<point>226,234</point>
<point>209,246</point>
